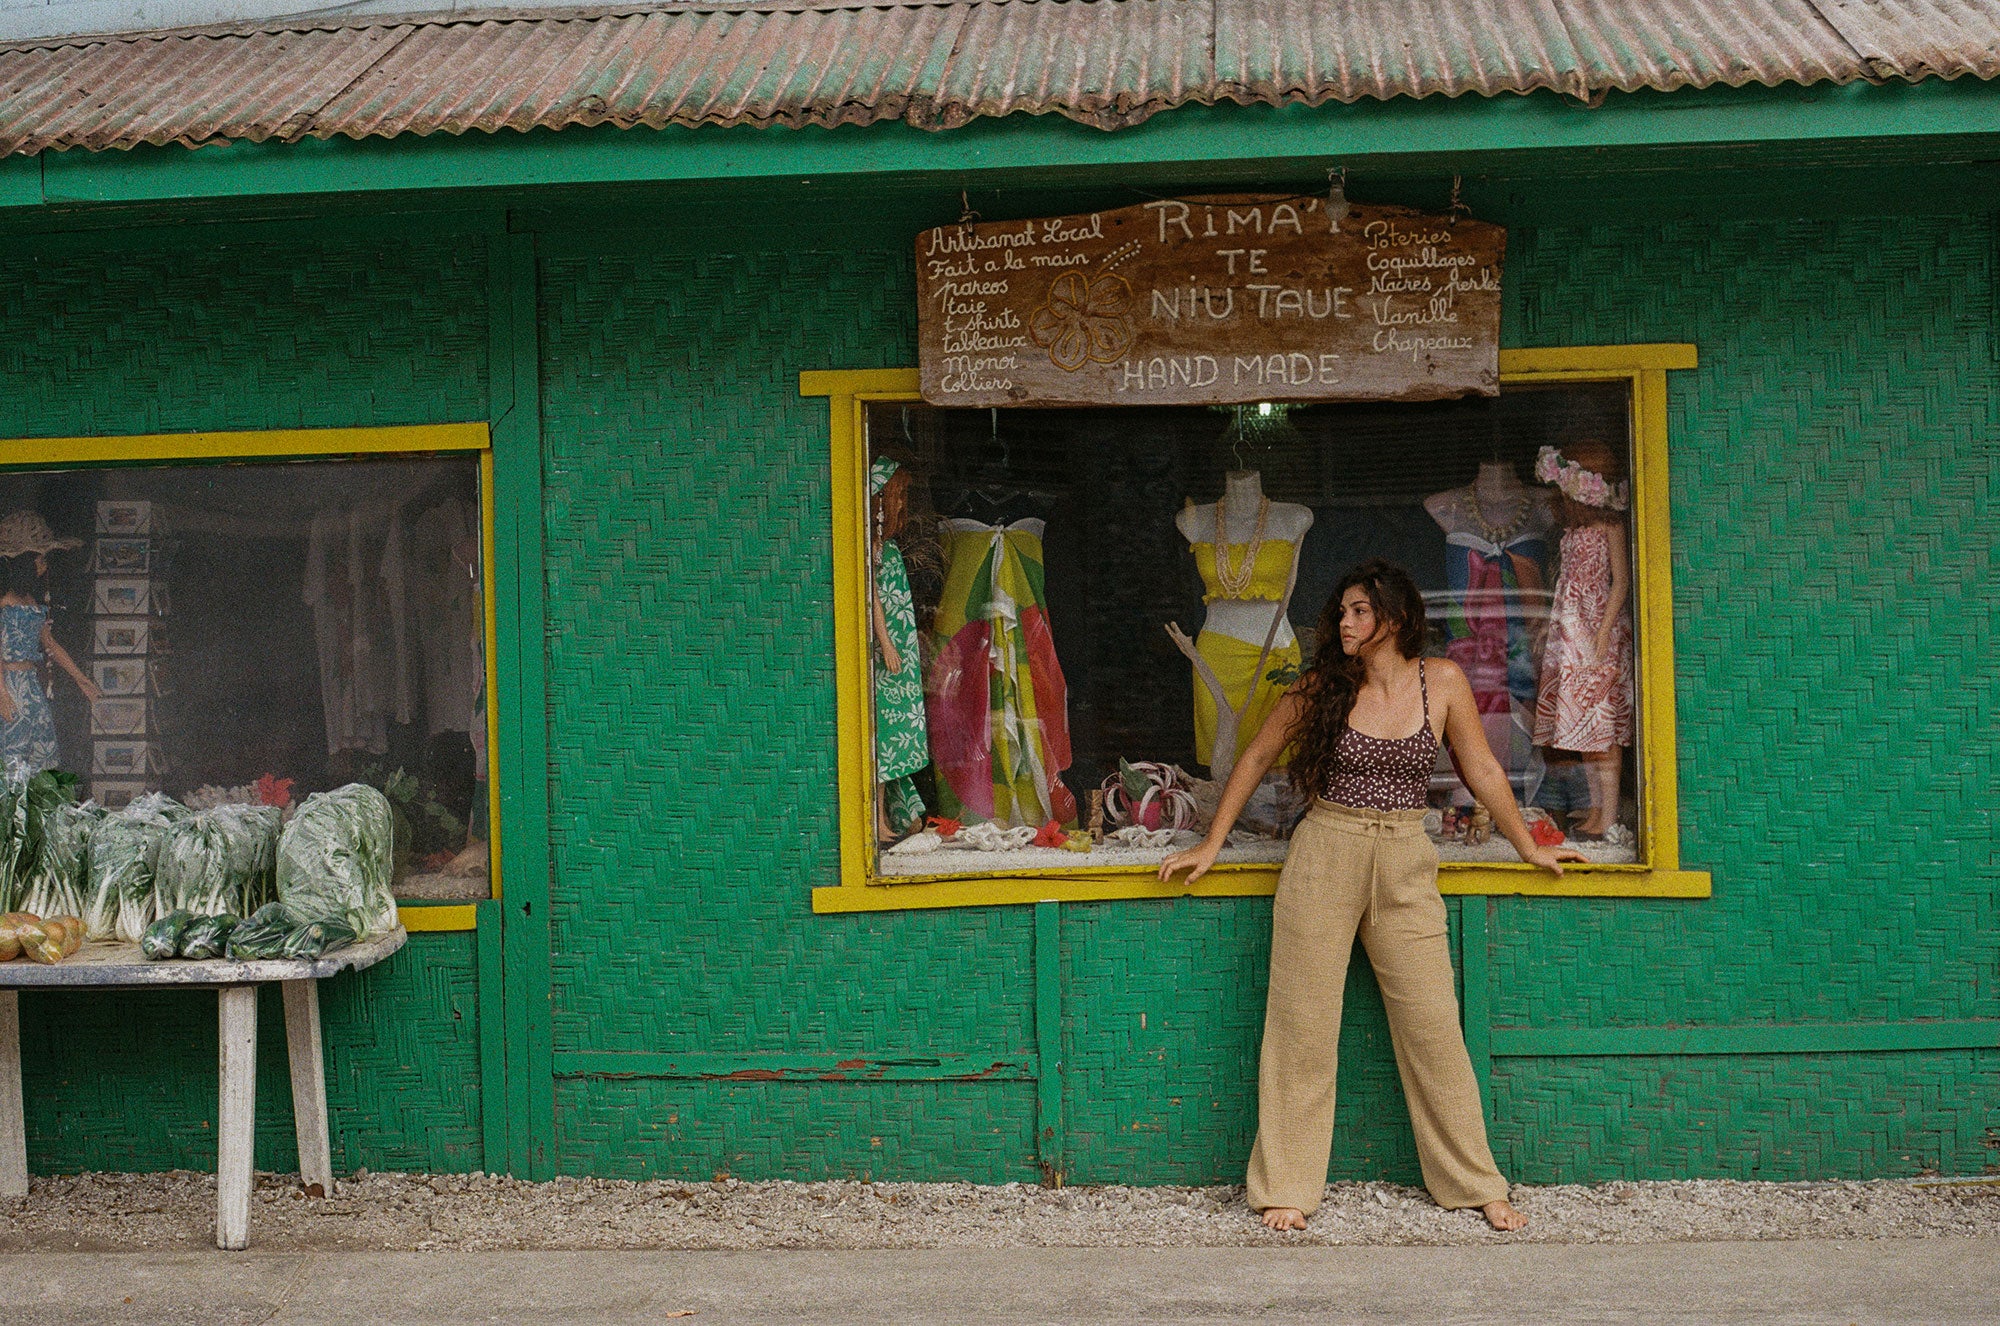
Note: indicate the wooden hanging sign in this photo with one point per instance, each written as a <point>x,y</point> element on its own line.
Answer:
<point>1211,301</point>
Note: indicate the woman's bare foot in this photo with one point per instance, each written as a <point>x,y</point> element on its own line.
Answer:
<point>1285,1217</point>
<point>1501,1215</point>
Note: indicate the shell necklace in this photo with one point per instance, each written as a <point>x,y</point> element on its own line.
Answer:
<point>1497,535</point>
<point>1236,581</point>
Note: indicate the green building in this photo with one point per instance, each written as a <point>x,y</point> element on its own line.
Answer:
<point>642,288</point>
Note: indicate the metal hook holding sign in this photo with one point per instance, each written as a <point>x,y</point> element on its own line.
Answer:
<point>1458,207</point>
<point>1336,197</point>
<point>967,218</point>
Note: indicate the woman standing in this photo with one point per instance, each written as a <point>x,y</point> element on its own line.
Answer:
<point>1360,864</point>
<point>28,646</point>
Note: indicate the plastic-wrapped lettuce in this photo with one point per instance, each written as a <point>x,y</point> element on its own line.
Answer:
<point>162,939</point>
<point>315,938</point>
<point>124,849</point>
<point>263,935</point>
<point>206,936</point>
<point>253,848</point>
<point>59,883</point>
<point>335,860</point>
<point>219,861</point>
<point>26,806</point>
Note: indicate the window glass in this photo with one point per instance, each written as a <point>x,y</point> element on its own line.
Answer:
<point>258,632</point>
<point>1061,645</point>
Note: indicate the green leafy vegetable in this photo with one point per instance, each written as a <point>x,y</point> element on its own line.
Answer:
<point>59,884</point>
<point>335,860</point>
<point>316,938</point>
<point>163,937</point>
<point>219,860</point>
<point>263,935</point>
<point>28,877</point>
<point>207,936</point>
<point>124,850</point>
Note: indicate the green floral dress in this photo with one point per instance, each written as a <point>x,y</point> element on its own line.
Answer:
<point>901,744</point>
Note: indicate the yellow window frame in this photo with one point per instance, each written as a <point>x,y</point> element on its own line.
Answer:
<point>318,444</point>
<point>1657,875</point>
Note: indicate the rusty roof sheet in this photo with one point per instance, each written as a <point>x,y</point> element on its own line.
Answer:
<point>939,64</point>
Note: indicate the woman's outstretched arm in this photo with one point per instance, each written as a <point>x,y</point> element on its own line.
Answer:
<point>1251,766</point>
<point>61,658</point>
<point>1482,772</point>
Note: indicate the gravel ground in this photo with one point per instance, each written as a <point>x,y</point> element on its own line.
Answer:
<point>109,1212</point>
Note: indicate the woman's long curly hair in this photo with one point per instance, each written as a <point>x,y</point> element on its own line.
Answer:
<point>1329,686</point>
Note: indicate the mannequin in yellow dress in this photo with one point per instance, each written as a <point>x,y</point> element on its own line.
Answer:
<point>1246,548</point>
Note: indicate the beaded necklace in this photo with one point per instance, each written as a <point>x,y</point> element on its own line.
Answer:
<point>1236,581</point>
<point>1497,535</point>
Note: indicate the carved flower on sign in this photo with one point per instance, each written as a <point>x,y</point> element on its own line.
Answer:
<point>1084,320</point>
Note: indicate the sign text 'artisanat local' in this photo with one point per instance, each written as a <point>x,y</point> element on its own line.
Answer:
<point>1210,301</point>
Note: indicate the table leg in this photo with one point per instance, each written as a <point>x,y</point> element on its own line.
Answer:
<point>13,1118</point>
<point>236,1126</point>
<point>302,1047</point>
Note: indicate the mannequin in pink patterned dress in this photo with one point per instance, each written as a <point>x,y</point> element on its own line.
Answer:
<point>1585,698</point>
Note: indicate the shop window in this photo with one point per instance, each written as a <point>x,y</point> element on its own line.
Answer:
<point>1050,656</point>
<point>260,630</point>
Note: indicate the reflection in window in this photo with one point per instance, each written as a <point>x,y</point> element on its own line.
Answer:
<point>1078,618</point>
<point>256,632</point>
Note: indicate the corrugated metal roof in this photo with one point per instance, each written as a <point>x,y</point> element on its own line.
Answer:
<point>1108,63</point>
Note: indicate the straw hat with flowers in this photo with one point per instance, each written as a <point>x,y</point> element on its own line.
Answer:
<point>26,532</point>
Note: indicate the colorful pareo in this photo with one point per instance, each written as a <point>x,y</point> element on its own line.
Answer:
<point>901,747</point>
<point>1585,703</point>
<point>997,703</point>
<point>28,742</point>
<point>1490,634</point>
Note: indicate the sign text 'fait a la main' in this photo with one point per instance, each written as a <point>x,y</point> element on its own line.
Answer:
<point>1211,301</point>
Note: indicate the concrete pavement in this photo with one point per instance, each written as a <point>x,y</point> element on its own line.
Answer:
<point>1942,1280</point>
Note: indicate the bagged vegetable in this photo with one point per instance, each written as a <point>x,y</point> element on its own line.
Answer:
<point>12,887</point>
<point>60,884</point>
<point>40,945</point>
<point>315,938</point>
<point>120,862</point>
<point>67,931</point>
<point>27,805</point>
<point>253,848</point>
<point>11,925</point>
<point>162,938</point>
<point>219,860</point>
<point>263,935</point>
<point>207,936</point>
<point>335,860</point>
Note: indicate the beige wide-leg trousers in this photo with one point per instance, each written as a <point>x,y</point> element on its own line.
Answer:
<point>1371,873</point>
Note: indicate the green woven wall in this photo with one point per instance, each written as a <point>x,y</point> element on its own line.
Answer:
<point>267,335</point>
<point>1834,470</point>
<point>1833,475</point>
<point>691,675</point>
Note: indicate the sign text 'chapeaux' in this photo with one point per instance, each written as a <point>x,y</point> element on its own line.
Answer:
<point>1211,301</point>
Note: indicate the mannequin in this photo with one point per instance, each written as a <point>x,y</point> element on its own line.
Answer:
<point>1246,548</point>
<point>901,744</point>
<point>1496,535</point>
<point>1585,701</point>
<point>997,700</point>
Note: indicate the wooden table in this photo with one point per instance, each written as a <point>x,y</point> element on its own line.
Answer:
<point>120,967</point>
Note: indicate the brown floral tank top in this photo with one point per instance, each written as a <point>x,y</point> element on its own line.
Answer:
<point>1374,773</point>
